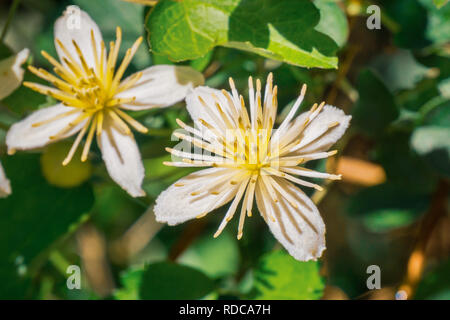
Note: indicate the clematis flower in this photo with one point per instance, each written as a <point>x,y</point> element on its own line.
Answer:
<point>94,98</point>
<point>11,76</point>
<point>249,160</point>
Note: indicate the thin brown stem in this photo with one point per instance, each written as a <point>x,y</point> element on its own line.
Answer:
<point>192,231</point>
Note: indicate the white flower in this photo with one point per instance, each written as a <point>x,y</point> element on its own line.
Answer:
<point>11,76</point>
<point>93,98</point>
<point>250,160</point>
<point>11,73</point>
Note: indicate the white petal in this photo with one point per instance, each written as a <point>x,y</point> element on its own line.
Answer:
<point>212,115</point>
<point>122,158</point>
<point>76,25</point>
<point>300,230</point>
<point>161,86</point>
<point>5,187</point>
<point>11,73</point>
<point>317,136</point>
<point>176,204</point>
<point>23,135</point>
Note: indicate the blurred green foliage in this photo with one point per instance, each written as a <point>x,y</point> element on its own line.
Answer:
<point>394,81</point>
<point>33,218</point>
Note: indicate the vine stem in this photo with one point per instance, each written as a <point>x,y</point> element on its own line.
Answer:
<point>11,13</point>
<point>342,73</point>
<point>190,233</point>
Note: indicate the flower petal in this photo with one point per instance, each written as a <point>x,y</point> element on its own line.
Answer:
<point>11,73</point>
<point>177,204</point>
<point>5,186</point>
<point>35,130</point>
<point>76,25</point>
<point>161,86</point>
<point>300,230</point>
<point>324,130</point>
<point>212,115</point>
<point>122,158</point>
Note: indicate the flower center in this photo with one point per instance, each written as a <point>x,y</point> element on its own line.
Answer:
<point>91,88</point>
<point>251,149</point>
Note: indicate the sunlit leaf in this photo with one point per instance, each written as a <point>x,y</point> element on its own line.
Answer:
<point>278,29</point>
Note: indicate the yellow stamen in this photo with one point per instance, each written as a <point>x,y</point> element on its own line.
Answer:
<point>88,142</point>
<point>135,124</point>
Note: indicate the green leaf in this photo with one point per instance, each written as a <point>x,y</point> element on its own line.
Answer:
<point>277,29</point>
<point>279,276</point>
<point>375,108</point>
<point>170,281</point>
<point>33,217</point>
<point>333,21</point>
<point>386,207</point>
<point>201,63</point>
<point>198,64</point>
<point>215,257</point>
